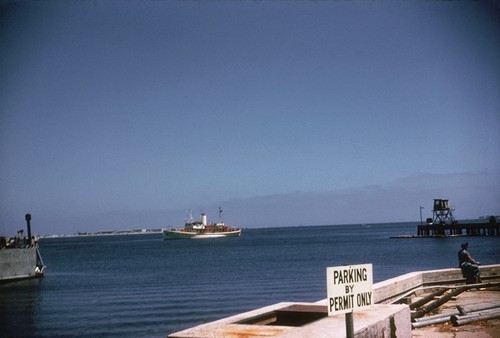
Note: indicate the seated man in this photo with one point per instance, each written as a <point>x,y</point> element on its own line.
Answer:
<point>469,266</point>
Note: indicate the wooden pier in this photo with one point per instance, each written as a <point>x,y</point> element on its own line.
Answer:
<point>458,229</point>
<point>443,224</point>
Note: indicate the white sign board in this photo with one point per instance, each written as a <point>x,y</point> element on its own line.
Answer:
<point>349,287</point>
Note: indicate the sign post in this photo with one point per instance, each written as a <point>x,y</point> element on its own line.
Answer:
<point>349,325</point>
<point>349,287</point>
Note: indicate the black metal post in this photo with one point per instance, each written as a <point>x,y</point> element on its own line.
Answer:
<point>28,219</point>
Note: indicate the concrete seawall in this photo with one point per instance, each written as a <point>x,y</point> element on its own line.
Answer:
<point>390,290</point>
<point>302,320</point>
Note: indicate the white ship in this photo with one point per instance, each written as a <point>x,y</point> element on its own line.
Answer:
<point>202,229</point>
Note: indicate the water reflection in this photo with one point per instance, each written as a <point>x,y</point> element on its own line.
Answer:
<point>19,302</point>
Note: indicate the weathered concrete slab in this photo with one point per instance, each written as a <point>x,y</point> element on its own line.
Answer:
<point>375,321</point>
<point>379,320</point>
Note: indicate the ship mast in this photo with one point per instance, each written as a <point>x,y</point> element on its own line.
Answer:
<point>189,218</point>
<point>220,215</point>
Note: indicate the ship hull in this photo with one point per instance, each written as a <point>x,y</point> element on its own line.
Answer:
<point>182,234</point>
<point>20,263</point>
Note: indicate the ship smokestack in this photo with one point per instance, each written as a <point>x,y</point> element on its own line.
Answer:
<point>28,219</point>
<point>203,219</point>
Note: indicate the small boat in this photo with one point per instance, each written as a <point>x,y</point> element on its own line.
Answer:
<point>202,229</point>
<point>20,257</point>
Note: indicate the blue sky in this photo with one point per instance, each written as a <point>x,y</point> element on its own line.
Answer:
<point>124,114</point>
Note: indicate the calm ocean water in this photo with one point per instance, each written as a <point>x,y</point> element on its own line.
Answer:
<point>143,286</point>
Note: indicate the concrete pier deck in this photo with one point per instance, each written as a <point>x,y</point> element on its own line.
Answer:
<point>390,316</point>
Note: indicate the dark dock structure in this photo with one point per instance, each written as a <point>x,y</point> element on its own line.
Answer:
<point>458,229</point>
<point>444,224</point>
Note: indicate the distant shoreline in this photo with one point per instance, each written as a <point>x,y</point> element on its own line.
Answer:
<point>105,233</point>
<point>159,231</point>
